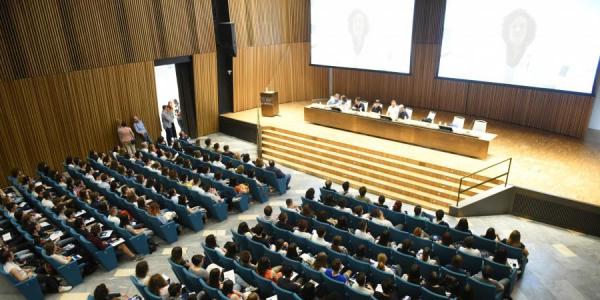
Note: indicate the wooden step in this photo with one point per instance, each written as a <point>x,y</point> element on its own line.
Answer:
<point>359,177</point>
<point>378,169</point>
<point>356,184</point>
<point>438,172</point>
<point>354,167</point>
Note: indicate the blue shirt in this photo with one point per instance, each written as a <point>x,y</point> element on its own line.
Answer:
<point>139,127</point>
<point>339,277</point>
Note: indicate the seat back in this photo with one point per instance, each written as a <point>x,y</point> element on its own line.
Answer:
<point>472,263</point>
<point>283,294</point>
<point>379,276</point>
<point>356,295</point>
<point>264,285</point>
<point>332,284</point>
<point>427,268</point>
<point>479,126</point>
<point>406,288</point>
<point>405,261</point>
<point>443,253</point>
<point>240,239</point>
<point>483,290</point>
<point>458,122</point>
<point>311,273</point>
<point>191,281</point>
<point>245,273</point>
<point>482,243</point>
<point>462,278</point>
<point>139,286</point>
<point>426,294</point>
<point>150,295</point>
<point>212,292</point>
<point>419,243</point>
<point>211,254</point>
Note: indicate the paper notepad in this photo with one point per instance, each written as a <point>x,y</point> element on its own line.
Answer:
<point>229,275</point>
<point>6,237</point>
<point>79,213</point>
<point>272,298</point>
<point>378,288</point>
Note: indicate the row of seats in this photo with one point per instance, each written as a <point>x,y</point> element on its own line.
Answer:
<point>266,176</point>
<point>192,220</point>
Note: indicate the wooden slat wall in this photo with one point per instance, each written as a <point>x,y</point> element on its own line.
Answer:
<point>43,37</point>
<point>49,118</point>
<point>557,112</point>
<point>273,52</point>
<point>207,105</point>
<point>283,68</point>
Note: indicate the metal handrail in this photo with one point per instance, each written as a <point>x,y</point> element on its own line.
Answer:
<point>460,190</point>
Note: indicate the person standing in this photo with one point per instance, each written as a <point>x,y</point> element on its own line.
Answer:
<point>140,129</point>
<point>126,137</point>
<point>168,121</point>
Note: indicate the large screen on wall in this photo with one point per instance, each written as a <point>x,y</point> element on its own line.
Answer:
<point>361,34</point>
<point>550,44</point>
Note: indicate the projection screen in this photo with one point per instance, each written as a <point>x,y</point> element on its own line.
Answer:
<point>359,34</point>
<point>550,44</point>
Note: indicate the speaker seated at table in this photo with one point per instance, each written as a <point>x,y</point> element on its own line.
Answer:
<point>269,103</point>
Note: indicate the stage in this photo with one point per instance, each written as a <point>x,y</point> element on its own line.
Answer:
<point>542,161</point>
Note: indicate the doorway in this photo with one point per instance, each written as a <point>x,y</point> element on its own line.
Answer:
<point>175,87</point>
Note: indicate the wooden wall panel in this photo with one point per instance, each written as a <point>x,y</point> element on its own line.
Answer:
<point>49,118</point>
<point>268,22</point>
<point>207,106</point>
<point>43,37</point>
<point>284,68</point>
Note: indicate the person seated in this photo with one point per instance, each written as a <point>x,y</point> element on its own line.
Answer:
<point>283,222</point>
<point>381,202</point>
<point>361,285</point>
<point>377,107</point>
<point>320,263</point>
<point>292,252</point>
<point>214,278</point>
<point>286,282</point>
<point>267,211</point>
<point>425,256</point>
<point>341,205</point>
<point>309,213</point>
<point>227,152</point>
<point>419,232</point>
<point>141,272</point>
<point>53,251</point>
<point>358,105</point>
<point>336,245</point>
<point>413,275</point>
<point>379,218</point>
<point>278,173</point>
<point>346,189</point>
<point>327,186</point>
<point>388,291</point>
<point>362,192</point>
<point>500,256</point>
<point>244,229</point>
<point>361,254</point>
<point>334,100</point>
<point>263,268</point>
<point>467,247</point>
<point>101,292</point>
<point>335,272</point>
<point>463,225</point>
<point>406,248</point>
<point>94,237</point>
<point>384,239</point>
<point>289,204</point>
<point>207,144</point>
<point>177,257</point>
<point>381,262</point>
<point>245,260</point>
<point>310,194</point>
<point>211,242</point>
<point>418,213</point>
<point>302,230</point>
<point>359,212</point>
<point>491,234</point>
<point>361,231</point>
<point>402,114</point>
<point>318,237</point>
<point>227,288</point>
<point>439,218</point>
<point>259,235</point>
<point>485,276</point>
<point>514,240</point>
<point>433,284</point>
<point>446,240</point>
<point>280,246</point>
<point>196,267</point>
<point>456,265</point>
<point>393,110</point>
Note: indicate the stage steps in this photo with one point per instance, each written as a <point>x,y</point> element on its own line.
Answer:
<point>411,181</point>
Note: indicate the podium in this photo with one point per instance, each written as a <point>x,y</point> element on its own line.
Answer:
<point>269,104</point>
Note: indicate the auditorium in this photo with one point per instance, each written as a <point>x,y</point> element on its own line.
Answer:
<point>299,149</point>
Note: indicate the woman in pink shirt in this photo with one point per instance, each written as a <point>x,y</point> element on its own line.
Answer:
<point>126,137</point>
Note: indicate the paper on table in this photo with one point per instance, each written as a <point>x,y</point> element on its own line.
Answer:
<point>6,237</point>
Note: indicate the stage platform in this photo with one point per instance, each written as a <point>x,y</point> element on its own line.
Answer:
<point>542,161</point>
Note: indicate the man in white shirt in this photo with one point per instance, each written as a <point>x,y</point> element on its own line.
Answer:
<point>113,216</point>
<point>46,202</point>
<point>317,237</point>
<point>361,232</point>
<point>104,182</point>
<point>379,218</point>
<point>334,100</point>
<point>50,249</point>
<point>393,110</point>
<point>467,247</point>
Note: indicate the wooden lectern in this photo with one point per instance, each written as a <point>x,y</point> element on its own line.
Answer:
<point>269,104</point>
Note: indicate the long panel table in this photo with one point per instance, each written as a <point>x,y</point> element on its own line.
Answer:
<point>464,142</point>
